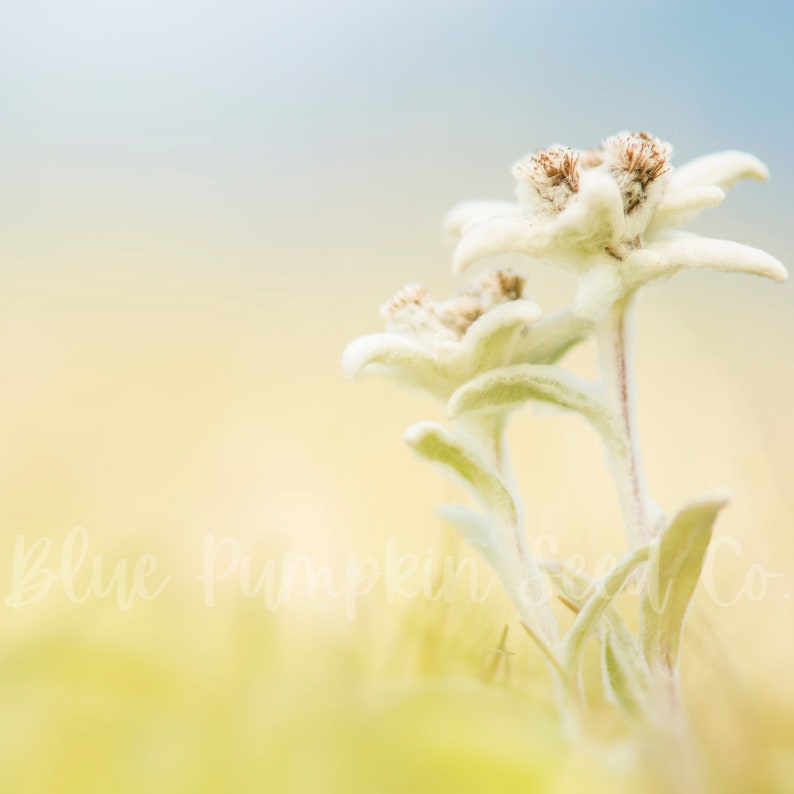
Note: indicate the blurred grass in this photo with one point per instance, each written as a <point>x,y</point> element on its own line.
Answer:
<point>152,425</point>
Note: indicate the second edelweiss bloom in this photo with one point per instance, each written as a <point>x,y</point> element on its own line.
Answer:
<point>437,346</point>
<point>607,215</point>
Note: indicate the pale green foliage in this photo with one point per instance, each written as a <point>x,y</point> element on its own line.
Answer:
<point>458,459</point>
<point>625,676</point>
<point>673,573</point>
<point>588,619</point>
<point>509,388</point>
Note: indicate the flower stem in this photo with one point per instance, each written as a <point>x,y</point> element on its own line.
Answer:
<point>519,573</point>
<point>613,333</point>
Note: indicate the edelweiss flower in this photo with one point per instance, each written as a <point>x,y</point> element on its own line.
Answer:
<point>437,347</point>
<point>608,216</point>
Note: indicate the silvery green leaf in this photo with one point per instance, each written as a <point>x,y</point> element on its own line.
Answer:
<point>587,621</point>
<point>472,212</point>
<point>679,251</point>
<point>673,573</point>
<point>549,340</point>
<point>723,169</point>
<point>475,528</point>
<point>509,388</point>
<point>399,357</point>
<point>456,458</point>
<point>491,340</point>
<point>577,587</point>
<point>679,207</point>
<point>625,676</point>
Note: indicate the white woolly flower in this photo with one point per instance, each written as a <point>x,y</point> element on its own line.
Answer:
<point>609,214</point>
<point>436,347</point>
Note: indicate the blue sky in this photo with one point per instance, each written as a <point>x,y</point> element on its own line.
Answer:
<point>248,120</point>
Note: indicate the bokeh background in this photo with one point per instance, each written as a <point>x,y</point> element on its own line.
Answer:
<point>201,204</point>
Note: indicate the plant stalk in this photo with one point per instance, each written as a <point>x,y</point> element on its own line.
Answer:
<point>614,334</point>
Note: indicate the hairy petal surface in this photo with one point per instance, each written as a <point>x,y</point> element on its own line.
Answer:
<point>500,236</point>
<point>679,207</point>
<point>491,340</point>
<point>723,170</point>
<point>680,251</point>
<point>473,212</point>
<point>598,289</point>
<point>549,340</point>
<point>398,357</point>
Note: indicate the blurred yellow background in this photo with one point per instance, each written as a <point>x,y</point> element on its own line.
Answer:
<point>201,206</point>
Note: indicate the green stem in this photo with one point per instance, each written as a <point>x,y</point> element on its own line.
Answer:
<point>613,333</point>
<point>517,570</point>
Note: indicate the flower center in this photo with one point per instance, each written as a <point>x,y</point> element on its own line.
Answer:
<point>552,175</point>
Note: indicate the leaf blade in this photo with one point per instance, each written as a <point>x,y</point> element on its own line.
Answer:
<point>549,340</point>
<point>606,591</point>
<point>451,453</point>
<point>674,572</point>
<point>399,358</point>
<point>508,388</point>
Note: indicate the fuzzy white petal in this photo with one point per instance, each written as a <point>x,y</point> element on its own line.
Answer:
<point>593,219</point>
<point>473,212</point>
<point>680,251</point>
<point>723,169</point>
<point>551,338</point>
<point>398,357</point>
<point>598,289</point>
<point>499,236</point>
<point>682,206</point>
<point>491,340</point>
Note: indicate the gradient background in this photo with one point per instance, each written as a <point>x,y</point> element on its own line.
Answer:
<point>201,204</point>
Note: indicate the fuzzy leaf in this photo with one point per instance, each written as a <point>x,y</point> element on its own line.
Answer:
<point>723,170</point>
<point>680,251</point>
<point>491,340</point>
<point>549,340</point>
<point>577,587</point>
<point>588,224</point>
<point>500,235</point>
<point>473,212</point>
<point>598,289</point>
<point>509,388</point>
<point>673,573</point>
<point>606,591</point>
<point>593,219</point>
<point>679,207</point>
<point>625,676</point>
<point>399,358</point>
<point>455,457</point>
